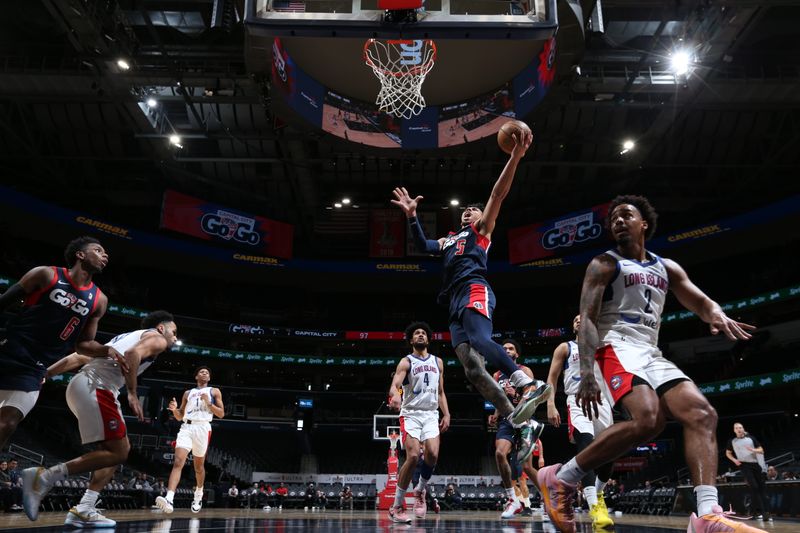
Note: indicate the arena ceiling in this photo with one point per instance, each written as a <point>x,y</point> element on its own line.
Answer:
<point>72,127</point>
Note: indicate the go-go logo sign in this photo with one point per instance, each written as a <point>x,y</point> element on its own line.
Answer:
<point>226,225</point>
<point>568,231</point>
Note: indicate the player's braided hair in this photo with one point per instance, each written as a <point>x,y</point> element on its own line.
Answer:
<point>75,246</point>
<point>414,326</point>
<point>644,207</point>
<point>155,318</point>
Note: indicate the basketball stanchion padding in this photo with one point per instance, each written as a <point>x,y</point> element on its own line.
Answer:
<point>386,496</point>
<point>394,5</point>
<point>401,67</point>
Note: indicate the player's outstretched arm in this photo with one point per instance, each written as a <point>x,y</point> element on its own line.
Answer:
<point>86,344</point>
<point>66,364</point>
<point>409,206</point>
<point>444,423</point>
<point>400,373</point>
<point>35,279</point>
<point>503,184</point>
<point>692,298</point>
<point>556,364</point>
<point>599,274</point>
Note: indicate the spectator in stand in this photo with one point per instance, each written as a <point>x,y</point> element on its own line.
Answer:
<point>772,473</point>
<point>280,495</point>
<point>10,494</point>
<point>346,498</point>
<point>788,476</point>
<point>611,493</point>
<point>452,497</point>
<point>311,496</point>
<point>233,496</point>
<point>139,482</point>
<point>746,452</point>
<point>322,499</point>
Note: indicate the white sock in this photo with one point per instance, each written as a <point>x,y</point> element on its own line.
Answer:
<point>88,501</point>
<point>170,495</point>
<point>527,501</point>
<point>198,493</point>
<point>590,493</point>
<point>55,473</point>
<point>706,496</point>
<point>399,497</point>
<point>421,484</point>
<point>571,473</point>
<point>600,485</point>
<point>510,493</point>
<point>520,379</point>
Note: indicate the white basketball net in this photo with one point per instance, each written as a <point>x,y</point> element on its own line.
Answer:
<point>401,67</point>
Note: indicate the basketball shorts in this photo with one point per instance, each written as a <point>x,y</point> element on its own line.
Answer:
<point>505,431</point>
<point>97,410</point>
<point>194,437</point>
<point>478,297</point>
<point>22,400</point>
<point>579,422</point>
<point>623,364</point>
<point>421,425</point>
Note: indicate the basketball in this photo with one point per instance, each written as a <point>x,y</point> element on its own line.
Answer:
<point>504,135</point>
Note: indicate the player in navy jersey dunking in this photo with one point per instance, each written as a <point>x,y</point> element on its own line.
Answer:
<point>471,301</point>
<point>623,295</point>
<point>61,309</point>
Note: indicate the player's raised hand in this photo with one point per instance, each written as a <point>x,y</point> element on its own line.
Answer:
<point>589,397</point>
<point>492,420</point>
<point>404,201</point>
<point>735,331</point>
<point>136,407</point>
<point>173,405</point>
<point>521,145</point>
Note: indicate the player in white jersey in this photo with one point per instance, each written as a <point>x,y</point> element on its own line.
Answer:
<point>621,303</point>
<point>582,429</point>
<point>419,377</point>
<point>92,398</point>
<point>198,407</point>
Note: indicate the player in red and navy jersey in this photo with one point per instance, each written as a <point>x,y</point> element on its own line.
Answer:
<point>61,309</point>
<point>471,301</point>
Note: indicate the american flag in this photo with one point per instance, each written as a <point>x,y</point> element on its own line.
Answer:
<point>289,6</point>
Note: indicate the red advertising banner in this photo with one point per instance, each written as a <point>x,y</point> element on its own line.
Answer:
<point>387,233</point>
<point>212,222</point>
<point>570,233</point>
<point>630,464</point>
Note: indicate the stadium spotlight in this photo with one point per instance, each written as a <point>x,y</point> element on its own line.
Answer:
<point>123,65</point>
<point>345,201</point>
<point>178,342</point>
<point>627,146</point>
<point>680,60</point>
<point>175,140</point>
<point>454,202</point>
<point>152,102</point>
<point>337,205</point>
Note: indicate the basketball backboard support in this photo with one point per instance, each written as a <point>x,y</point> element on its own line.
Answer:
<point>441,19</point>
<point>384,425</point>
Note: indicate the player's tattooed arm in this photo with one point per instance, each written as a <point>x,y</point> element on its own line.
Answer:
<point>33,280</point>
<point>599,274</point>
<point>696,301</point>
<point>400,373</point>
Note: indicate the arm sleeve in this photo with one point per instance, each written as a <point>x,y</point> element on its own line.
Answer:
<point>756,443</point>
<point>422,243</point>
<point>729,447</point>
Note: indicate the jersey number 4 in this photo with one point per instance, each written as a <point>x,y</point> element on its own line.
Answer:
<point>425,379</point>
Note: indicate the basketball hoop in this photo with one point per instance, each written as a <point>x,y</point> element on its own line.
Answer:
<point>401,67</point>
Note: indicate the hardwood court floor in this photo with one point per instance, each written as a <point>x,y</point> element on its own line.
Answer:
<point>253,520</point>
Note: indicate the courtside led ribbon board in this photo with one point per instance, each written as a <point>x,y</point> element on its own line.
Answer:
<point>212,222</point>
